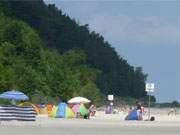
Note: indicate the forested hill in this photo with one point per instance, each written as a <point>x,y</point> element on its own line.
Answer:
<point>58,31</point>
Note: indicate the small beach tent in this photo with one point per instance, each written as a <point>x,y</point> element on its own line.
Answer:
<point>133,115</point>
<point>83,110</point>
<point>75,108</point>
<point>30,104</point>
<point>54,111</point>
<point>42,109</point>
<point>49,108</point>
<point>62,111</point>
<point>69,112</point>
<point>80,108</point>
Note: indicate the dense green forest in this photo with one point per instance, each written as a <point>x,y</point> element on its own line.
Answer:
<point>60,57</point>
<point>25,65</point>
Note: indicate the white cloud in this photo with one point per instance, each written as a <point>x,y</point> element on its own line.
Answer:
<point>136,29</point>
<point>123,27</point>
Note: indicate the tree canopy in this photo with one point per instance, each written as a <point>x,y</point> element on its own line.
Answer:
<point>27,66</point>
<point>64,54</point>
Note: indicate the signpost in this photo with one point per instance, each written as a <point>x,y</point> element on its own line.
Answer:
<point>149,89</point>
<point>111,98</point>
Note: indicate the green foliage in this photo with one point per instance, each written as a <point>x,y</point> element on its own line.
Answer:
<point>5,102</point>
<point>91,91</point>
<point>82,52</point>
<point>175,104</point>
<point>40,73</point>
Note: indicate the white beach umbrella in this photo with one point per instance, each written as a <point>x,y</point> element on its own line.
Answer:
<point>79,100</point>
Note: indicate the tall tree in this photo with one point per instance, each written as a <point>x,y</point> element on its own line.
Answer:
<point>58,31</point>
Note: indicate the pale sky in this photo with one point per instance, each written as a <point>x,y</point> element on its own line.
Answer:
<point>146,33</point>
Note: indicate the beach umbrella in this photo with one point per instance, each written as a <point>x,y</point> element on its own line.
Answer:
<point>14,95</point>
<point>80,108</point>
<point>76,100</point>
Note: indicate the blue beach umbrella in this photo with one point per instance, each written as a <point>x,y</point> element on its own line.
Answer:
<point>14,95</point>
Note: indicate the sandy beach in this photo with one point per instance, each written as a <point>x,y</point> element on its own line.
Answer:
<point>101,124</point>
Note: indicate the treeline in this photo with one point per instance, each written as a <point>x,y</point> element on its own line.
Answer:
<point>173,104</point>
<point>42,73</point>
<point>61,33</point>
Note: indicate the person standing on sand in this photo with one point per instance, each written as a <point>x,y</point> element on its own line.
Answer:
<point>172,111</point>
<point>139,110</point>
<point>92,110</point>
<point>138,105</point>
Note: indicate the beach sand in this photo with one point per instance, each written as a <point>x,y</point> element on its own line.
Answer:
<point>101,124</point>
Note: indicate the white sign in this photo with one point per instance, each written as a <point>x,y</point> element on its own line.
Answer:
<point>110,97</point>
<point>150,87</point>
<point>111,103</point>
